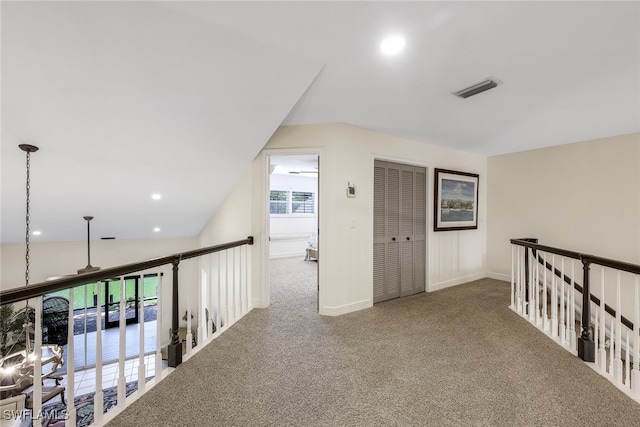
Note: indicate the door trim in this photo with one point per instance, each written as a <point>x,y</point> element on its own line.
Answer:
<point>265,291</point>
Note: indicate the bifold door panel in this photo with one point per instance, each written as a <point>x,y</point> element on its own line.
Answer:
<point>399,232</point>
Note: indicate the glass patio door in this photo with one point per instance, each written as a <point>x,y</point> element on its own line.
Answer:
<point>112,291</point>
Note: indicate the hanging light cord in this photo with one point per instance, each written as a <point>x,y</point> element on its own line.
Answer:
<point>27,320</point>
<point>28,219</point>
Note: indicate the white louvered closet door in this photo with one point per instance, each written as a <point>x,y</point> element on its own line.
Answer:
<point>407,223</point>
<point>379,230</point>
<point>392,261</point>
<point>399,230</point>
<point>420,230</point>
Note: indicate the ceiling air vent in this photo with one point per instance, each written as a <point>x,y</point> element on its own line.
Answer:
<point>477,88</point>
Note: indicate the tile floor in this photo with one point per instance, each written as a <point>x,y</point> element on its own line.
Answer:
<point>85,380</point>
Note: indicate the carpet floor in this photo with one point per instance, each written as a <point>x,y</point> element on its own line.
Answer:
<point>455,357</point>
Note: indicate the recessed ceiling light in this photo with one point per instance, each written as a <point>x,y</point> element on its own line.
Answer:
<point>37,233</point>
<point>156,196</point>
<point>392,45</point>
<point>157,229</point>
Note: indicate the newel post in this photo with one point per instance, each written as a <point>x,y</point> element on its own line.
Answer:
<point>586,346</point>
<point>174,351</point>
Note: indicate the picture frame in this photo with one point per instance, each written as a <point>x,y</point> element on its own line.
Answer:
<point>455,200</point>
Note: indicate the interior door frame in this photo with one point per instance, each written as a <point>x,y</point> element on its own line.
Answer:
<point>266,155</point>
<point>429,206</point>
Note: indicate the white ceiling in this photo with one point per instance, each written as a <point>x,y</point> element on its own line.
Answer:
<point>126,99</point>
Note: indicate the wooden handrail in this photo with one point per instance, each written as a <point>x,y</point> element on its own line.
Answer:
<point>591,259</point>
<point>37,289</point>
<point>585,344</point>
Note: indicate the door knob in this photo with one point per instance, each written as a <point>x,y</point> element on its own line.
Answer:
<point>393,238</point>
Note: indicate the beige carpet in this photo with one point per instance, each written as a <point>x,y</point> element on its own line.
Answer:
<point>455,357</point>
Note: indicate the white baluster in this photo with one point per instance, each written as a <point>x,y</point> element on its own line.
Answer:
<point>234,283</point>
<point>71,386</point>
<point>247,275</point>
<point>611,351</point>
<point>218,291</point>
<point>572,323</point>
<point>516,279</point>
<point>141,365</point>
<point>635,376</point>
<point>201,328</point>
<point>85,335</point>
<point>531,305</point>
<point>158,369</point>
<point>215,277</point>
<point>603,326</point>
<point>98,398</point>
<point>243,271</point>
<point>229,286</point>
<point>554,298</point>
<point>523,285</point>
<point>189,335</point>
<point>36,410</point>
<point>598,339</point>
<point>617,368</point>
<point>563,317</point>
<point>536,291</point>
<point>545,317</point>
<point>223,291</point>
<point>238,272</point>
<point>627,364</point>
<point>122,379</point>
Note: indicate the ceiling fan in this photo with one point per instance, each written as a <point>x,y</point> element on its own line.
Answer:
<point>89,268</point>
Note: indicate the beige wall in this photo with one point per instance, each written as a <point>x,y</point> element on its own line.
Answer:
<point>583,197</point>
<point>346,225</point>
<point>232,221</point>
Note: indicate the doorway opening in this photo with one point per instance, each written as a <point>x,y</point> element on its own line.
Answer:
<point>293,249</point>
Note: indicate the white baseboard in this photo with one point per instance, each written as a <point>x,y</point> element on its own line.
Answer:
<point>287,255</point>
<point>498,276</point>
<point>257,303</point>
<point>456,281</point>
<point>347,308</point>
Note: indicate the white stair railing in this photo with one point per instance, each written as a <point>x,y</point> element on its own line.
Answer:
<point>545,292</point>
<point>231,271</point>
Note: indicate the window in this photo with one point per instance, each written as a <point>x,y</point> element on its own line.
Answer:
<point>279,202</point>
<point>291,202</point>
<point>302,202</point>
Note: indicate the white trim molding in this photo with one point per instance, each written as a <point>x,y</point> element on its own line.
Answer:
<point>457,281</point>
<point>346,308</point>
<point>498,276</point>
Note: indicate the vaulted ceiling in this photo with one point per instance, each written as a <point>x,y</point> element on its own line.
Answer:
<point>127,99</point>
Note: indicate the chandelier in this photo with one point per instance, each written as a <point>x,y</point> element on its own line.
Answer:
<point>17,368</point>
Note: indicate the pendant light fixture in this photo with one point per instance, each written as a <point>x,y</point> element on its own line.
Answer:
<point>17,368</point>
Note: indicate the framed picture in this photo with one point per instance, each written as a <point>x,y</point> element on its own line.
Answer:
<point>456,200</point>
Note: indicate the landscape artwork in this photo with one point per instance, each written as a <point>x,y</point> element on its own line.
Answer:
<point>456,200</point>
